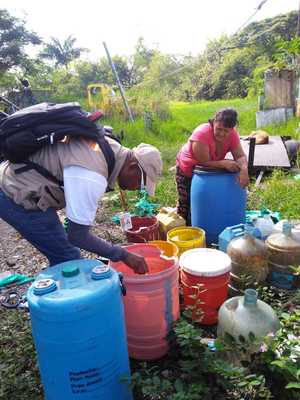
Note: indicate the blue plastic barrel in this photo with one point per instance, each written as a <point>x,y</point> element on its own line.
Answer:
<point>78,328</point>
<point>217,201</point>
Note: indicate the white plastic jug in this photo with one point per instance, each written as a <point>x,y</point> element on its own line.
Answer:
<point>265,225</point>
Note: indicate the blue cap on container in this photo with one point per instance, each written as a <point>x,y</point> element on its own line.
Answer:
<point>102,271</point>
<point>43,286</point>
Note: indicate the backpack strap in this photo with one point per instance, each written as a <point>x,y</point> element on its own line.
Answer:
<point>108,154</point>
<point>29,165</point>
<point>104,146</point>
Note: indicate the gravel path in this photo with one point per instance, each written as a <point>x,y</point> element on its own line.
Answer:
<point>18,256</point>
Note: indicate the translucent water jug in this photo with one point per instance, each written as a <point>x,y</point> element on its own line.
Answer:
<point>78,328</point>
<point>242,315</point>
<point>249,260</point>
<point>284,254</point>
<point>295,228</point>
<point>232,232</point>
<point>265,224</point>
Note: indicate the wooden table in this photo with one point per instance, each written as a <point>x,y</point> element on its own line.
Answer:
<point>266,156</point>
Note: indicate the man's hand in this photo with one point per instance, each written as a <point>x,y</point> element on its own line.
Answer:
<point>137,263</point>
<point>231,166</point>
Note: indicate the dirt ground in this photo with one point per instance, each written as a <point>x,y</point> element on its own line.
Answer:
<point>18,256</point>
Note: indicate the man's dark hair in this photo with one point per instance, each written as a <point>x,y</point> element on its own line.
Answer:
<point>228,117</point>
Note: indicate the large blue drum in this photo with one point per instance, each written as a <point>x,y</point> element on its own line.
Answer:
<point>78,328</point>
<point>217,201</point>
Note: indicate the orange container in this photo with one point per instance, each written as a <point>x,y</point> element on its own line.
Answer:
<point>151,303</point>
<point>143,230</point>
<point>205,275</point>
<point>168,249</point>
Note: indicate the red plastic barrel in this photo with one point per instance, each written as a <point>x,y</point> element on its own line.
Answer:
<point>205,275</point>
<point>151,303</point>
<point>144,229</point>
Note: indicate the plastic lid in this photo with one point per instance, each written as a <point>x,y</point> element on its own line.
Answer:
<point>70,270</point>
<point>101,272</point>
<point>205,262</point>
<point>44,286</point>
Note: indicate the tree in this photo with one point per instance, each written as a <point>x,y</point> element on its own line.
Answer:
<point>62,52</point>
<point>13,39</point>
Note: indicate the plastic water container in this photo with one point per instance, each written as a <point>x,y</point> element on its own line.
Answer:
<point>151,303</point>
<point>265,225</point>
<point>284,253</point>
<point>79,333</point>
<point>205,276</point>
<point>168,249</point>
<point>249,260</point>
<point>168,219</point>
<point>217,201</point>
<point>143,230</point>
<point>186,238</point>
<point>242,315</point>
<point>232,232</point>
<point>277,228</point>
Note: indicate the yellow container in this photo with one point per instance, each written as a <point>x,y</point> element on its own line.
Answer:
<point>167,220</point>
<point>169,249</point>
<point>186,238</point>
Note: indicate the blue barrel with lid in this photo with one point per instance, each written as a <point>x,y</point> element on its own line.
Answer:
<point>78,328</point>
<point>217,201</point>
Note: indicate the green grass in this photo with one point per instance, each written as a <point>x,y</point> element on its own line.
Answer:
<point>18,370</point>
<point>169,136</point>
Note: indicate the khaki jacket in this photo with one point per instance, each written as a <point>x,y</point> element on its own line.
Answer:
<point>33,191</point>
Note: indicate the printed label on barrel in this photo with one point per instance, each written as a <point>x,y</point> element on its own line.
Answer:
<point>85,381</point>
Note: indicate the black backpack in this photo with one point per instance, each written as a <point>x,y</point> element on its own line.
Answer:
<point>28,130</point>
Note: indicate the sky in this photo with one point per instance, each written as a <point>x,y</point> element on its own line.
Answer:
<point>172,26</point>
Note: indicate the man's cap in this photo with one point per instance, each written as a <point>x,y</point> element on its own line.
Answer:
<point>149,158</point>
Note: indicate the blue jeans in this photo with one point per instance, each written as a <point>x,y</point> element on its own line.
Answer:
<point>42,229</point>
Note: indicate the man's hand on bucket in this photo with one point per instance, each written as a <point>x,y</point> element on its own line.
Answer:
<point>137,263</point>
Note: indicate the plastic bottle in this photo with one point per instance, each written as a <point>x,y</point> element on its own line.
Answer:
<point>249,260</point>
<point>264,224</point>
<point>245,315</point>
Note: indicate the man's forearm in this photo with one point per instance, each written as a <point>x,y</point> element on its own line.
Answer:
<point>80,236</point>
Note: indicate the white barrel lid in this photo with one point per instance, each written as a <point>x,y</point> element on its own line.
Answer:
<point>205,262</point>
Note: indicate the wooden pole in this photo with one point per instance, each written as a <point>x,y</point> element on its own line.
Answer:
<point>118,83</point>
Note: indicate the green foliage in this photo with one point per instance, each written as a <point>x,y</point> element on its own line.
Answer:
<point>62,53</point>
<point>280,193</point>
<point>13,38</point>
<point>287,53</point>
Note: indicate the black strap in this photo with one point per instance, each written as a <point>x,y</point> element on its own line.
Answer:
<point>104,146</point>
<point>41,170</point>
<point>108,154</point>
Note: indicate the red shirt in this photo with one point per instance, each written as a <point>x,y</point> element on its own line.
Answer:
<point>204,133</point>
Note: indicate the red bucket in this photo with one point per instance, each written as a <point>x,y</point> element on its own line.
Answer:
<point>205,275</point>
<point>144,229</point>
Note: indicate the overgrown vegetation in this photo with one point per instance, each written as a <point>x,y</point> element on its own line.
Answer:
<point>191,371</point>
<point>229,67</point>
